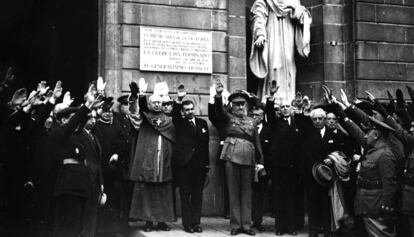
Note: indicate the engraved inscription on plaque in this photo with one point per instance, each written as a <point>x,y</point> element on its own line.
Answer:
<point>175,50</point>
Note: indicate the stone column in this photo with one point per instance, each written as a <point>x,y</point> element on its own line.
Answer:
<point>112,47</point>
<point>237,78</point>
<point>331,59</point>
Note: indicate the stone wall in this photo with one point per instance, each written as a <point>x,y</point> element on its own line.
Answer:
<point>330,61</point>
<point>384,39</point>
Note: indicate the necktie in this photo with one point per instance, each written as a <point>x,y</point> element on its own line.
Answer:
<point>192,124</point>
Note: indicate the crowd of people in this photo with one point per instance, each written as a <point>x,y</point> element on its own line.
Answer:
<point>91,169</point>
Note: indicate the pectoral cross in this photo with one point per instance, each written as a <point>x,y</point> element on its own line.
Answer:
<point>157,122</point>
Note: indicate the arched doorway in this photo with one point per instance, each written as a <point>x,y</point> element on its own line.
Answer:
<point>50,40</point>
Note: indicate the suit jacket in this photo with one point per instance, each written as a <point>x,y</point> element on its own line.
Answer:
<point>314,147</point>
<point>191,143</point>
<point>285,140</point>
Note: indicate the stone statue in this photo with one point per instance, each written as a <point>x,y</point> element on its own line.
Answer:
<point>278,27</point>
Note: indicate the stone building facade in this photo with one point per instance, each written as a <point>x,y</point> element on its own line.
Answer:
<point>355,44</point>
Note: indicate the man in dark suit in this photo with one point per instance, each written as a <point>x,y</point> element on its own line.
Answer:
<point>261,179</point>
<point>283,158</point>
<point>191,160</point>
<point>93,154</point>
<point>318,141</point>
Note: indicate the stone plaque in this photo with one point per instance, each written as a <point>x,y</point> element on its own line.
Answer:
<point>175,50</point>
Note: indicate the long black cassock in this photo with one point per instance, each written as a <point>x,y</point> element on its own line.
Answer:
<point>151,169</point>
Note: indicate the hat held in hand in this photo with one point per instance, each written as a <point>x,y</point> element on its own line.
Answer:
<point>323,174</point>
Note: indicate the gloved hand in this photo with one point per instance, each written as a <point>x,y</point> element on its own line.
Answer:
<point>391,105</point>
<point>378,107</point>
<point>134,90</point>
<point>410,92</point>
<point>400,99</point>
<point>339,111</point>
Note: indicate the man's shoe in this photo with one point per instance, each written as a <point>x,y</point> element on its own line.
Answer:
<point>148,226</point>
<point>197,228</point>
<point>249,232</point>
<point>292,232</point>
<point>188,229</point>
<point>234,231</point>
<point>259,227</point>
<point>278,232</point>
<point>163,226</point>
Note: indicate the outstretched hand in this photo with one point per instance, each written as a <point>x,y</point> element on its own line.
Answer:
<point>181,92</point>
<point>100,85</point>
<point>67,100</point>
<point>219,88</point>
<point>371,97</point>
<point>134,90</point>
<point>91,100</point>
<point>57,91</point>
<point>273,88</point>
<point>142,85</point>
<point>327,94</point>
<point>344,98</point>
<point>42,88</point>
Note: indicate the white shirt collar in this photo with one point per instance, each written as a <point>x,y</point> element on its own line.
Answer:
<point>192,120</point>
<point>287,119</point>
<point>323,131</point>
<point>259,127</point>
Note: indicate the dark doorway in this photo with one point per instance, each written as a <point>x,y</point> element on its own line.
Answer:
<point>50,40</point>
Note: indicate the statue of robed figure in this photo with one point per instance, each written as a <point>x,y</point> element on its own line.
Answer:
<point>278,26</point>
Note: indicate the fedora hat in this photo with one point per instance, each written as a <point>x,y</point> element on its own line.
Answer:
<point>323,174</point>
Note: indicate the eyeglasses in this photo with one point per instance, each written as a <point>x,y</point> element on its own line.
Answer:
<point>317,118</point>
<point>167,103</point>
<point>239,103</point>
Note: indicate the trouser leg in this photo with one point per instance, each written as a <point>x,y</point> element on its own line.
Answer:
<point>246,196</point>
<point>198,178</point>
<point>183,180</point>
<point>68,216</point>
<point>258,189</point>
<point>314,209</point>
<point>233,181</point>
<point>277,181</point>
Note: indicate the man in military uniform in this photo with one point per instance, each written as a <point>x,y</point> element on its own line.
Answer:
<point>241,152</point>
<point>76,183</point>
<point>376,191</point>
